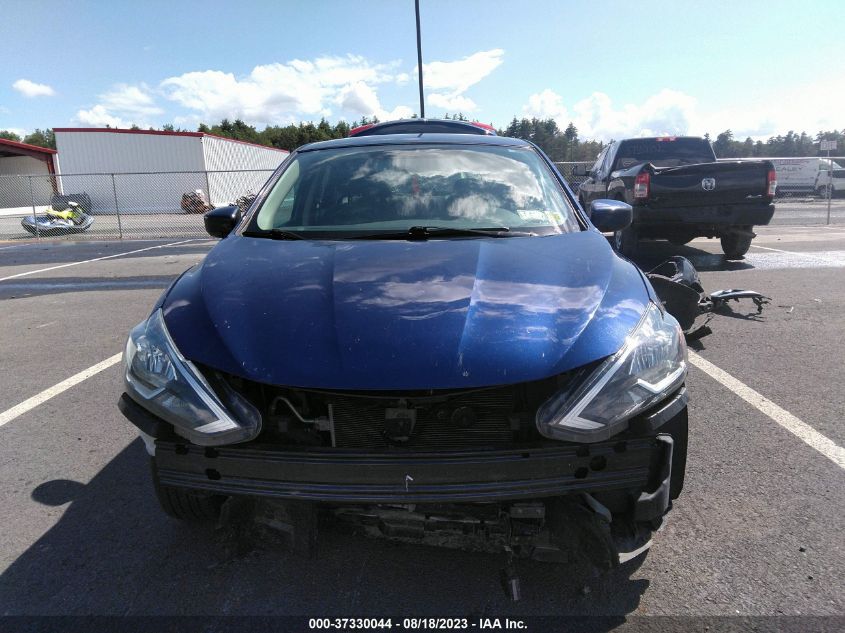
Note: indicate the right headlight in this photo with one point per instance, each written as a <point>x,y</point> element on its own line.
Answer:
<point>170,386</point>
<point>649,367</point>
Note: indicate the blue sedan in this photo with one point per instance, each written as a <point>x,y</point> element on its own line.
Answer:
<point>421,332</point>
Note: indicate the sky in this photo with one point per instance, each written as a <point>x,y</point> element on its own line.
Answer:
<point>613,68</point>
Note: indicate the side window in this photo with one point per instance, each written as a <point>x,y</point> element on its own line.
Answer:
<point>277,208</point>
<point>286,207</point>
<point>609,153</point>
<point>597,166</point>
<point>612,150</point>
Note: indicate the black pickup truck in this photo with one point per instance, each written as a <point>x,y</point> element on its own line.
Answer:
<point>679,192</point>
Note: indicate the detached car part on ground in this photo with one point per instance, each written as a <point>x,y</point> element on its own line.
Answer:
<point>677,284</point>
<point>418,334</point>
<point>679,192</point>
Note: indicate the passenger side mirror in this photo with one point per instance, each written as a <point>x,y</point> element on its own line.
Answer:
<point>609,216</point>
<point>221,221</point>
<point>579,170</point>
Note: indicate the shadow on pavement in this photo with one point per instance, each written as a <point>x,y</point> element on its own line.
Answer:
<point>114,552</point>
<point>56,252</point>
<point>653,252</point>
<point>39,286</point>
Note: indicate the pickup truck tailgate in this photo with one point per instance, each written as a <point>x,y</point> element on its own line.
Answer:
<point>732,182</point>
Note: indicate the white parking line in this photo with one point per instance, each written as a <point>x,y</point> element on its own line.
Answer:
<point>807,255</point>
<point>97,259</point>
<point>29,404</point>
<point>784,418</point>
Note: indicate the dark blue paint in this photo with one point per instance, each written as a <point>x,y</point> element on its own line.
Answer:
<point>385,315</point>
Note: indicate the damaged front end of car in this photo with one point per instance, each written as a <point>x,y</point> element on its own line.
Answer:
<point>581,465</point>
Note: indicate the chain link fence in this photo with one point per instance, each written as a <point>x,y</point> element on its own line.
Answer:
<point>170,204</point>
<point>566,170</point>
<point>122,206</point>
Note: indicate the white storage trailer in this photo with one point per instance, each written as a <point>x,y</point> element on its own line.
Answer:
<point>152,169</point>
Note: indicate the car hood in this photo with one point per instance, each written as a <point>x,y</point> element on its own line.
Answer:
<point>390,315</point>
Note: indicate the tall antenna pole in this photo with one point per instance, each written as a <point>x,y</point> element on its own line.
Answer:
<point>419,59</point>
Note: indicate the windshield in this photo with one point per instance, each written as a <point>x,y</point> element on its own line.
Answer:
<point>664,152</point>
<point>355,191</point>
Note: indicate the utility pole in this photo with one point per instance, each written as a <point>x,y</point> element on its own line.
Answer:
<point>828,145</point>
<point>419,59</point>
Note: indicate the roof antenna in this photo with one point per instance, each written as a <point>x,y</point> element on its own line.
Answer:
<point>419,59</point>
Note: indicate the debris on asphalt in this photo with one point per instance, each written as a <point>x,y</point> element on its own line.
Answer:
<point>678,286</point>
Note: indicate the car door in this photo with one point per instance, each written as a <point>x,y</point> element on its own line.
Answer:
<point>590,188</point>
<point>601,171</point>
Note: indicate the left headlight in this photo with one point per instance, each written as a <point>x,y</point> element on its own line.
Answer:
<point>170,386</point>
<point>649,367</point>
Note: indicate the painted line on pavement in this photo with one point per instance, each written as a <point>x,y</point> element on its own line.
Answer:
<point>784,418</point>
<point>807,255</point>
<point>98,259</point>
<point>29,404</point>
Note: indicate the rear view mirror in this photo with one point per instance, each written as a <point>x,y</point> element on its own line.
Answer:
<point>609,216</point>
<point>579,170</point>
<point>221,221</point>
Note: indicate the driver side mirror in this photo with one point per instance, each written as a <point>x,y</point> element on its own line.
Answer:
<point>609,216</point>
<point>221,221</point>
<point>580,170</point>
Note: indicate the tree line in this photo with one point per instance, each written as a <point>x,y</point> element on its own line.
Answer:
<point>559,145</point>
<point>41,138</point>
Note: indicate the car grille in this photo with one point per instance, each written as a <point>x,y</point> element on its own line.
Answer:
<point>360,423</point>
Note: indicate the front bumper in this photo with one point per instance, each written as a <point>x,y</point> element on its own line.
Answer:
<point>643,467</point>
<point>353,477</point>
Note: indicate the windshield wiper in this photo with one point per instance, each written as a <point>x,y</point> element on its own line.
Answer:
<point>425,232</point>
<point>275,234</point>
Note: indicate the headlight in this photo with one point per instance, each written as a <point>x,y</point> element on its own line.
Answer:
<point>171,387</point>
<point>649,367</point>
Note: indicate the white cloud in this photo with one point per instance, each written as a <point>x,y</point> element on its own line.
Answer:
<point>99,116</point>
<point>449,80</point>
<point>808,107</point>
<point>546,105</point>
<point>31,89</point>
<point>15,130</point>
<point>122,106</point>
<point>283,93</point>
<point>596,117</point>
<point>359,99</point>
<point>459,76</point>
<point>452,103</point>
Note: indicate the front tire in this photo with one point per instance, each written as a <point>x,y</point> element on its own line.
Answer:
<point>824,191</point>
<point>186,505</point>
<point>735,246</point>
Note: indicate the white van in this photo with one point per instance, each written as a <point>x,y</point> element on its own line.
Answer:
<point>806,175</point>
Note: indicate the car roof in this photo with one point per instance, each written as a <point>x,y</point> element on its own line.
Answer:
<point>665,137</point>
<point>416,139</point>
<point>423,126</point>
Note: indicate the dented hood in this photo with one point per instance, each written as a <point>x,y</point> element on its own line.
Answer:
<point>384,315</point>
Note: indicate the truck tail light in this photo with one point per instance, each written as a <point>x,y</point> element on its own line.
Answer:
<point>641,185</point>
<point>773,183</point>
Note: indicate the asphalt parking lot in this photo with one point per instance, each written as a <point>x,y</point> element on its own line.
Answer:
<point>757,532</point>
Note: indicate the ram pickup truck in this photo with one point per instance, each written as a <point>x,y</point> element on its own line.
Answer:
<point>679,192</point>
